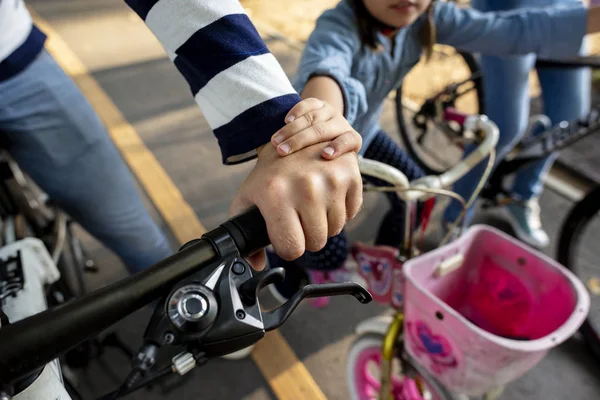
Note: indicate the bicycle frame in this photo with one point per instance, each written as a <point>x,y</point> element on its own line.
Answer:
<point>411,192</point>
<point>532,149</point>
<point>388,351</point>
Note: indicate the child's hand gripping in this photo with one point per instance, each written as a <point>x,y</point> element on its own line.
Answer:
<point>313,121</point>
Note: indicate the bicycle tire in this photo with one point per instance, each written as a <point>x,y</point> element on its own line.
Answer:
<point>404,129</point>
<point>374,341</point>
<point>71,268</point>
<point>569,240</point>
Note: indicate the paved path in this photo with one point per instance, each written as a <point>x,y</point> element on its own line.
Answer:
<point>130,66</point>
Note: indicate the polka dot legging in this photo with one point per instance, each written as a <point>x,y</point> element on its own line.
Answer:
<point>391,229</point>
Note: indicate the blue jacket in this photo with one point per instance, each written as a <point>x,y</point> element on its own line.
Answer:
<point>367,77</point>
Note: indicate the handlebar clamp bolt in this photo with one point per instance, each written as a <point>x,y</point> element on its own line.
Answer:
<point>240,314</point>
<point>238,268</point>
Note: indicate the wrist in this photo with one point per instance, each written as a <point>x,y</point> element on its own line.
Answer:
<point>259,149</point>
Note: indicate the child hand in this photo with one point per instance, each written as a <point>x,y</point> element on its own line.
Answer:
<point>313,121</point>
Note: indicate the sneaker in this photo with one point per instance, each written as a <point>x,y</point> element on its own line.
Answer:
<point>524,217</point>
<point>240,354</point>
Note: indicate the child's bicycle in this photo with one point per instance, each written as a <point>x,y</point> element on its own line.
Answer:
<point>469,317</point>
<point>423,129</point>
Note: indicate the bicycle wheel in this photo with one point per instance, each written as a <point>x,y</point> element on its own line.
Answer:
<point>578,250</point>
<point>71,264</point>
<point>424,91</point>
<point>363,372</point>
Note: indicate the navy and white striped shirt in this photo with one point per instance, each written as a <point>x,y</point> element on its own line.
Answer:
<point>238,84</point>
<point>20,41</point>
<point>240,87</point>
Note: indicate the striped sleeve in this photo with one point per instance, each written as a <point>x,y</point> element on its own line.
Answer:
<point>240,87</point>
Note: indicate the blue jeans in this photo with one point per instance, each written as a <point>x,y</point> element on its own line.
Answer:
<point>55,136</point>
<point>565,93</point>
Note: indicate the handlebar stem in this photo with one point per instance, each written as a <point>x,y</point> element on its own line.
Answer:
<point>391,175</point>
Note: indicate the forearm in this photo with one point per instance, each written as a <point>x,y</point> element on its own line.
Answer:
<point>553,31</point>
<point>326,89</point>
<point>240,87</point>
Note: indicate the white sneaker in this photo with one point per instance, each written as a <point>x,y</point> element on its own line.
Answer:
<point>240,354</point>
<point>524,217</point>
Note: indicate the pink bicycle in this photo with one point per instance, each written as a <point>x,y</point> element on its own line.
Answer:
<point>469,317</point>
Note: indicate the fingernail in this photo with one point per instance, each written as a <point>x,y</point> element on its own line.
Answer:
<point>329,151</point>
<point>290,118</point>
<point>278,139</point>
<point>285,148</point>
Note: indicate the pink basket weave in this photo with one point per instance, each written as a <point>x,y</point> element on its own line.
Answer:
<point>483,310</point>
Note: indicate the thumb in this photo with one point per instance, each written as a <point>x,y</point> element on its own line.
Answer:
<point>258,260</point>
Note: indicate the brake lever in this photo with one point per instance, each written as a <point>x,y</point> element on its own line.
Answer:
<point>216,310</point>
<point>275,318</point>
<point>249,289</point>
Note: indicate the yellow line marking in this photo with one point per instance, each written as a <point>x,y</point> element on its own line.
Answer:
<point>288,377</point>
<point>286,374</point>
<point>160,188</point>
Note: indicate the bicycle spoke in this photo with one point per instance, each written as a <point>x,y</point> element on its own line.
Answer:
<point>457,87</point>
<point>436,156</point>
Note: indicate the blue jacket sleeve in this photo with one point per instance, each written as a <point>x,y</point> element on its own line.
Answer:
<point>240,87</point>
<point>330,51</point>
<point>550,32</point>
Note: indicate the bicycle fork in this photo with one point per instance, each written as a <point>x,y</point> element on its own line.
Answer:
<point>394,330</point>
<point>387,356</point>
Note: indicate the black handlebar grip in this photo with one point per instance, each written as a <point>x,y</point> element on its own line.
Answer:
<point>249,231</point>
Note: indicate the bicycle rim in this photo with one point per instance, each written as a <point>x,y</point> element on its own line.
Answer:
<point>424,143</point>
<point>363,369</point>
<point>578,250</point>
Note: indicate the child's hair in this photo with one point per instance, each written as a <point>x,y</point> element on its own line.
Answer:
<point>368,26</point>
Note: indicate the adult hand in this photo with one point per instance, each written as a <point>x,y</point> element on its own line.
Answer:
<point>303,198</point>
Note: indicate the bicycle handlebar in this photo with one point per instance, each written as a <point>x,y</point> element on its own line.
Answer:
<point>396,178</point>
<point>591,61</point>
<point>490,132</point>
<point>208,276</point>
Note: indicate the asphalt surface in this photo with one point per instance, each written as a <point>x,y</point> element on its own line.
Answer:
<point>131,67</point>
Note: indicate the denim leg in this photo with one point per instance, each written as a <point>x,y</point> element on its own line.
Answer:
<point>506,86</point>
<point>566,94</point>
<point>56,138</point>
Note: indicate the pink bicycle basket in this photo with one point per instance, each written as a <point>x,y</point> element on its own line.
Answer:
<point>485,309</point>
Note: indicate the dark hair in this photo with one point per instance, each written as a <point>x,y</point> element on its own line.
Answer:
<point>368,26</point>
